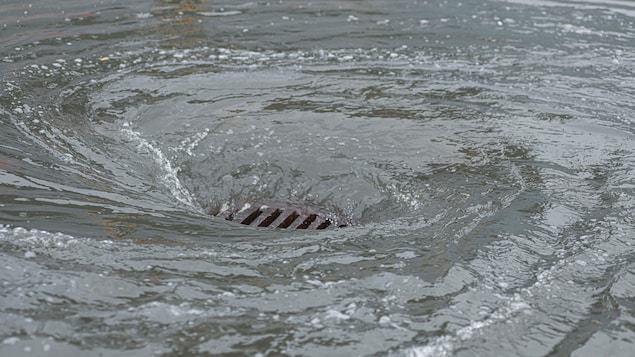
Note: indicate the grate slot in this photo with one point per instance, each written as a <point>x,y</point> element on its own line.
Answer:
<point>307,222</point>
<point>252,217</point>
<point>272,217</point>
<point>289,220</point>
<point>324,224</point>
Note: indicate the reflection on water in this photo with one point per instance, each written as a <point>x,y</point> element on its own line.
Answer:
<point>484,151</point>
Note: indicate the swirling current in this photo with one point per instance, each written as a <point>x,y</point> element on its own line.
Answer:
<point>483,152</point>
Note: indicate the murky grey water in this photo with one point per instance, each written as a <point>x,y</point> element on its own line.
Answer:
<point>484,150</point>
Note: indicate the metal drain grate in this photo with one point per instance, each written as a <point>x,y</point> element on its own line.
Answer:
<point>280,214</point>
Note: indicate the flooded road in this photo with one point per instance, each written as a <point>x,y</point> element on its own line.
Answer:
<point>483,152</point>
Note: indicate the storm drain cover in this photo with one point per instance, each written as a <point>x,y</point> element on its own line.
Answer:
<point>282,214</point>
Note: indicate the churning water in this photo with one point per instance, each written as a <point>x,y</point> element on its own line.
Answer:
<point>483,149</point>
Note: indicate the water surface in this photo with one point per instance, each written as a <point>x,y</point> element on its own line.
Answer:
<point>484,151</point>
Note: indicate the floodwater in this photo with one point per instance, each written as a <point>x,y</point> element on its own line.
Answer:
<point>483,149</point>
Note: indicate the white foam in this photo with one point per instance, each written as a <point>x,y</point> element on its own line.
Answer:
<point>190,144</point>
<point>384,321</point>
<point>10,341</point>
<point>336,315</point>
<point>170,175</point>
<point>144,15</point>
<point>35,240</point>
<point>219,13</point>
<point>445,345</point>
<point>245,207</point>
